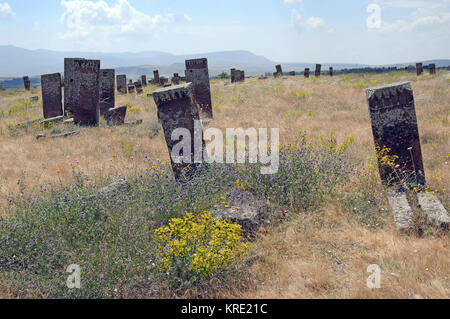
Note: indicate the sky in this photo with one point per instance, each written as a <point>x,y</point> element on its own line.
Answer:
<point>327,31</point>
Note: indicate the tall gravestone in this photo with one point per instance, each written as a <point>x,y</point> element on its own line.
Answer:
<point>122,84</point>
<point>138,86</point>
<point>306,73</point>
<point>156,79</point>
<point>279,70</point>
<point>69,69</point>
<point>177,109</point>
<point>51,95</point>
<point>26,83</point>
<point>394,127</point>
<point>233,75</point>
<point>318,70</point>
<point>107,92</point>
<point>144,80</point>
<point>432,68</point>
<point>331,71</point>
<point>419,68</point>
<point>85,92</point>
<point>197,73</point>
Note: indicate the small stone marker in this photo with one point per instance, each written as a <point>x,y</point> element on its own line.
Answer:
<point>292,73</point>
<point>419,68</point>
<point>432,68</point>
<point>116,116</point>
<point>144,80</point>
<point>26,83</point>
<point>107,92</point>
<point>69,69</point>
<point>306,73</point>
<point>156,79</point>
<point>131,88</point>
<point>138,86</point>
<point>122,84</point>
<point>51,95</point>
<point>318,70</point>
<point>279,70</point>
<point>331,71</point>
<point>394,126</point>
<point>85,101</point>
<point>197,73</point>
<point>176,109</point>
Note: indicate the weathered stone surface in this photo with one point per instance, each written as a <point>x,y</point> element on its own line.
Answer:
<point>197,73</point>
<point>403,213</point>
<point>63,135</point>
<point>318,69</point>
<point>156,79</point>
<point>51,95</point>
<point>122,83</point>
<point>331,71</point>
<point>306,73</point>
<point>49,121</point>
<point>176,79</point>
<point>419,68</point>
<point>279,70</point>
<point>138,86</point>
<point>116,116</point>
<point>26,83</point>
<point>237,76</point>
<point>144,80</point>
<point>85,101</point>
<point>436,213</point>
<point>394,126</point>
<point>69,77</point>
<point>432,68</point>
<point>107,92</point>
<point>131,88</point>
<point>176,109</point>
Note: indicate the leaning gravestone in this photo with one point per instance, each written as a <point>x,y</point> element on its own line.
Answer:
<point>116,115</point>
<point>318,69</point>
<point>156,79</point>
<point>107,92</point>
<point>432,68</point>
<point>176,109</point>
<point>85,91</point>
<point>51,95</point>
<point>306,73</point>
<point>26,83</point>
<point>197,73</point>
<point>122,84</point>
<point>69,69</point>
<point>419,68</point>
<point>144,80</point>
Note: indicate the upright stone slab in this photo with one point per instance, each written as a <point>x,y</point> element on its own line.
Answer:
<point>26,83</point>
<point>306,73</point>
<point>107,93</point>
<point>233,75</point>
<point>432,68</point>
<point>51,95</point>
<point>122,84</point>
<point>144,80</point>
<point>69,77</point>
<point>85,101</point>
<point>138,86</point>
<point>279,70</point>
<point>197,73</point>
<point>394,126</point>
<point>156,80</point>
<point>242,76</point>
<point>176,109</point>
<point>318,69</point>
<point>419,68</point>
<point>176,79</point>
<point>331,71</point>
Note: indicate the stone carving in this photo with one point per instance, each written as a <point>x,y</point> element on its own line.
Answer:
<point>69,69</point>
<point>51,95</point>
<point>26,83</point>
<point>122,84</point>
<point>116,116</point>
<point>197,73</point>
<point>318,70</point>
<point>419,68</point>
<point>432,68</point>
<point>107,93</point>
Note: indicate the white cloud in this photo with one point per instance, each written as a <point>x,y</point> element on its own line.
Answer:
<point>95,20</point>
<point>6,11</point>
<point>299,2</point>
<point>301,23</point>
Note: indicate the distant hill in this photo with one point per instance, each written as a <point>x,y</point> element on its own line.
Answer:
<point>16,62</point>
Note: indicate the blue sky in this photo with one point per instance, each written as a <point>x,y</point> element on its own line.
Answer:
<point>282,30</point>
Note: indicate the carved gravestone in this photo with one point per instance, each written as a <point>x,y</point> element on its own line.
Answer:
<point>176,79</point>
<point>69,69</point>
<point>85,101</point>
<point>233,75</point>
<point>26,83</point>
<point>156,80</point>
<point>318,69</point>
<point>432,68</point>
<point>116,116</point>
<point>306,73</point>
<point>176,109</point>
<point>51,95</point>
<point>122,84</point>
<point>107,94</point>
<point>197,73</point>
<point>419,68</point>
<point>279,70</point>
<point>138,86</point>
<point>292,73</point>
<point>394,126</point>
<point>144,80</point>
<point>331,71</point>
<point>131,88</point>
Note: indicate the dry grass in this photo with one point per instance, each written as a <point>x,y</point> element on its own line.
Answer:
<point>314,256</point>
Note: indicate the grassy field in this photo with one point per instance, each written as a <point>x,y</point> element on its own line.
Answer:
<point>322,249</point>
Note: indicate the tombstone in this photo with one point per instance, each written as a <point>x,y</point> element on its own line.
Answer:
<point>138,86</point>
<point>279,70</point>
<point>26,83</point>
<point>331,71</point>
<point>69,69</point>
<point>394,126</point>
<point>432,68</point>
<point>306,73</point>
<point>292,73</point>
<point>156,80</point>
<point>177,109</point>
<point>233,75</point>
<point>197,73</point>
<point>122,84</point>
<point>318,69</point>
<point>51,95</point>
<point>242,76</point>
<point>176,79</point>
<point>131,88</point>
<point>144,80</point>
<point>116,115</point>
<point>84,99</point>
<point>419,68</point>
<point>107,94</point>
